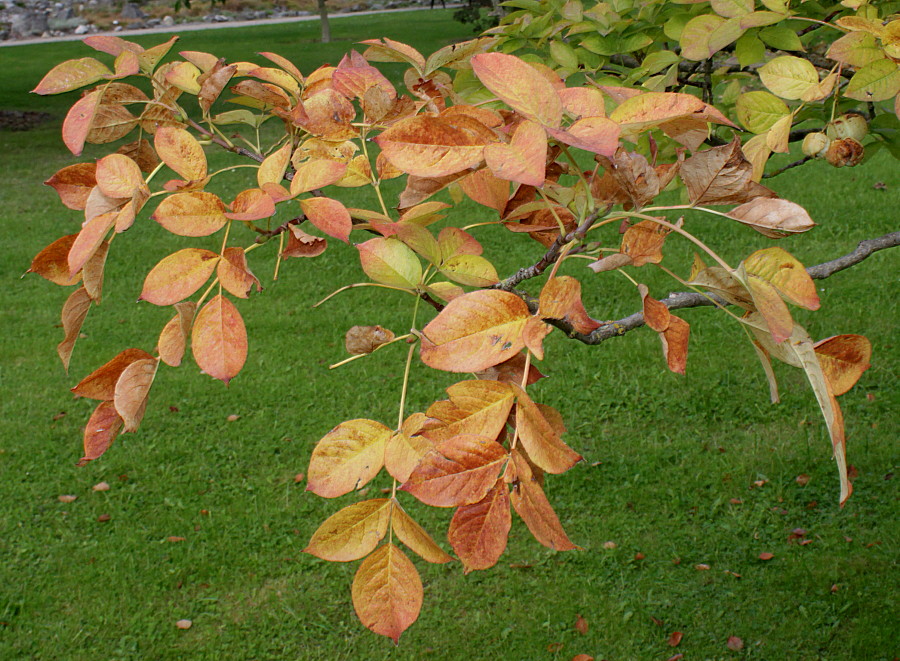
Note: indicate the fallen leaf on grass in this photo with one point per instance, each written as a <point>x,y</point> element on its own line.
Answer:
<point>676,657</point>
<point>735,644</point>
<point>553,648</point>
<point>299,477</point>
<point>67,498</point>
<point>609,545</point>
<point>173,538</point>
<point>675,638</point>
<point>701,567</point>
<point>233,417</point>
<point>736,501</point>
<point>639,556</point>
<point>582,657</point>
<point>765,555</point>
<point>184,624</point>
<point>103,518</point>
<point>101,486</point>
<point>581,625</point>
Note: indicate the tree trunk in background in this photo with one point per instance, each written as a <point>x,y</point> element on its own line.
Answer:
<point>323,19</point>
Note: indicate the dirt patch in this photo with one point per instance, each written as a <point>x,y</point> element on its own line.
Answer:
<point>22,120</point>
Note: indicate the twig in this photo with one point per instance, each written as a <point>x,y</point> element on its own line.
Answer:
<point>681,300</point>
<point>787,167</point>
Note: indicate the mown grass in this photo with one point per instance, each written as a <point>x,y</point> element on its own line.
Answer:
<point>665,455</point>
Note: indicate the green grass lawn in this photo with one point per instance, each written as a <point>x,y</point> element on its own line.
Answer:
<point>667,457</point>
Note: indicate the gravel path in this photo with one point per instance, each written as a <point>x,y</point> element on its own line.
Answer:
<point>191,27</point>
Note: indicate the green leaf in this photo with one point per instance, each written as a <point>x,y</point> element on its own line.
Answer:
<point>749,49</point>
<point>789,77</point>
<point>758,111</point>
<point>781,38</point>
<point>876,81</point>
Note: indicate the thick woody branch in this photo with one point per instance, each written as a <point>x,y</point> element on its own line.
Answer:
<point>681,300</point>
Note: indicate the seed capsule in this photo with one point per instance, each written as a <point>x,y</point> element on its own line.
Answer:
<point>847,152</point>
<point>816,144</point>
<point>852,125</point>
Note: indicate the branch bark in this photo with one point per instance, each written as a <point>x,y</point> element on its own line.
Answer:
<point>681,300</point>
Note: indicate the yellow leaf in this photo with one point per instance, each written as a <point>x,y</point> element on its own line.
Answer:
<point>347,457</point>
<point>789,77</point>
<point>352,533</point>
<point>414,536</point>
<point>387,592</point>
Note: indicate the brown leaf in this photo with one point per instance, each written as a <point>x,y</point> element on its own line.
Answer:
<point>52,263</point>
<point>632,175</point>
<point>675,344</point>
<point>539,438</point>
<point>101,430</point>
<point>581,625</point>
<point>643,242</point>
<point>531,504</point>
<point>302,244</point>
<point>101,383</point>
<point>765,555</point>
<point>74,311</point>
<point>73,184</point>
<point>561,299</point>
<point>721,175</point>
<point>365,339</point>
<point>101,486</point>
<point>675,638</point>
<point>772,217</point>
<point>184,624</point>
<point>735,644</point>
<point>67,498</point>
<point>843,358</point>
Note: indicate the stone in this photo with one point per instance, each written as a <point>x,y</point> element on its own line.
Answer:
<point>168,21</point>
<point>82,29</point>
<point>131,10</point>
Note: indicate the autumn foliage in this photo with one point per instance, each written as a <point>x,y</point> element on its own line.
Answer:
<point>574,162</point>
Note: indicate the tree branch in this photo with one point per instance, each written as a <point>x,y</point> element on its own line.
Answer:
<point>681,300</point>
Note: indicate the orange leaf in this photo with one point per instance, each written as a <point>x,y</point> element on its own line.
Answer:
<point>89,239</point>
<point>173,338</point>
<point>561,299</point>
<point>478,532</point>
<point>118,176</point>
<point>458,471</point>
<point>181,152</point>
<point>656,314</point>
<point>352,533</point>
<point>77,123</point>
<point>675,344</point>
<point>92,272</point>
<point>843,359</point>
<point>328,215</point>
<point>783,271</point>
<point>478,407</point>
<point>643,242</point>
<point>594,134</point>
<point>302,244</point>
<point>428,146</point>
<point>235,274</point>
<point>252,204</point>
<point>520,86</point>
<point>132,389</point>
<point>539,439</point>
<point>523,160</point>
<point>101,383</point>
<point>195,213</point>
<point>414,536</point>
<point>403,453</point>
<point>219,339</point>
<point>347,457</point>
<point>645,111</point>
<point>74,311</point>
<point>486,189</point>
<point>317,173</point>
<point>531,504</point>
<point>73,184</point>
<point>52,263</point>
<point>475,331</point>
<point>354,76</point>
<point>387,592</point>
<point>100,432</point>
<point>675,638</point>
<point>178,276</point>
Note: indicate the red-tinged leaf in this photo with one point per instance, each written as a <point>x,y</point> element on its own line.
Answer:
<point>561,299</point>
<point>92,234</point>
<point>645,111</point>
<point>594,134</point>
<point>353,532</point>
<point>302,244</point>
<point>403,453</point>
<point>454,242</point>
<point>118,176</point>
<point>71,75</point>
<point>181,152</point>
<point>643,242</point>
<point>478,532</point>
<point>251,204</point>
<point>132,389</point>
<point>530,503</point>
<point>353,77</point>
<point>583,102</point>
<point>520,86</point>
<point>477,407</point>
<point>387,592</point>
<point>774,218</point>
<point>581,625</point>
<point>195,213</point>
<point>524,159</point>
<point>475,331</point>
<point>388,50</point>
<point>512,371</point>
<point>765,555</point>
<point>458,471</point>
<point>432,147</point>
<point>347,457</point>
<point>843,359</point>
<point>539,438</point>
<point>100,432</point>
<point>390,262</point>
<point>735,644</point>
<point>328,215</point>
<point>77,123</point>
<point>486,189</point>
<point>784,272</point>
<point>101,383</point>
<point>675,344</point>
<point>656,314</point>
<point>173,338</point>
<point>234,273</point>
<point>533,335</point>
<point>416,538</point>
<point>73,184</point>
<point>178,276</point>
<point>317,173</point>
<point>213,83</point>
<point>219,339</point>
<point>675,638</point>
<point>150,57</point>
<point>92,272</point>
<point>52,263</point>
<point>285,64</point>
<point>582,657</point>
<point>112,45</point>
<point>74,311</point>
